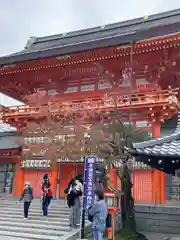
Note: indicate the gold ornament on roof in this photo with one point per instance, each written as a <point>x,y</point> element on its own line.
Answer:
<point>146,18</point>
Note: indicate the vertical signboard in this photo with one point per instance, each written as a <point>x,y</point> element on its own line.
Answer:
<point>88,187</point>
<point>89,177</point>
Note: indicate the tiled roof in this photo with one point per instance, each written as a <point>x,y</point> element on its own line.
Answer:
<point>7,128</point>
<point>167,146</point>
<point>9,140</point>
<point>110,35</point>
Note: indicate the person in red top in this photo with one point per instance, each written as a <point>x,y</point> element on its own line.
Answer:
<point>46,199</point>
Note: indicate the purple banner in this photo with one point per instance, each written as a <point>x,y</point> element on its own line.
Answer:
<point>89,177</point>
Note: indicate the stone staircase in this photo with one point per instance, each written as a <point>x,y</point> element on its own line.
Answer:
<point>13,226</point>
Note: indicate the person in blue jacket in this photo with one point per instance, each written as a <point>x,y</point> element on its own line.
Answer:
<point>99,213</point>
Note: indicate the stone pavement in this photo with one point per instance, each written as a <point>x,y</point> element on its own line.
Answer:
<point>158,236</point>
<point>14,227</point>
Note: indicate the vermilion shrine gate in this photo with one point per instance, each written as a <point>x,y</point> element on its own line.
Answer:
<point>74,73</point>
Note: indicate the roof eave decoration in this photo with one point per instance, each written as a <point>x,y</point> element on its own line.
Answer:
<point>30,42</point>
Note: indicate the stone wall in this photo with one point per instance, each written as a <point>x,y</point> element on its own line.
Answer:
<point>118,225</point>
<point>158,218</point>
<point>155,218</point>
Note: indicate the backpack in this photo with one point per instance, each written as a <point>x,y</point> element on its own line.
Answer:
<point>108,221</point>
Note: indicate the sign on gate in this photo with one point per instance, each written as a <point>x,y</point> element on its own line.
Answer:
<point>36,164</point>
<point>89,181</point>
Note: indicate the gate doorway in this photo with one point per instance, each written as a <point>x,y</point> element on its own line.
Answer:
<point>35,178</point>
<point>6,177</point>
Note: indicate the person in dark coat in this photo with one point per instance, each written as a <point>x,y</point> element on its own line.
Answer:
<point>46,199</point>
<point>27,196</point>
<point>66,191</point>
<point>45,182</point>
<point>73,201</point>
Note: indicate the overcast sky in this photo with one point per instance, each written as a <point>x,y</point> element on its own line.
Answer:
<point>21,19</point>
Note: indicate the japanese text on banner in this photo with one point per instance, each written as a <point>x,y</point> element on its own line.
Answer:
<point>89,171</point>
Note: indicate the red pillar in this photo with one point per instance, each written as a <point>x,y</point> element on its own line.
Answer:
<point>113,177</point>
<point>158,177</point>
<point>54,176</point>
<point>18,185</point>
<point>163,188</point>
<point>156,129</point>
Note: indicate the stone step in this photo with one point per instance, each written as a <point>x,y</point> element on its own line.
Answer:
<point>55,205</point>
<point>5,205</point>
<point>38,217</point>
<point>13,226</point>
<point>36,221</point>
<point>12,238</point>
<point>29,230</point>
<point>27,236</point>
<point>35,206</point>
<point>33,211</point>
<point>43,224</point>
<point>18,206</point>
<point>35,201</point>
<point>53,219</point>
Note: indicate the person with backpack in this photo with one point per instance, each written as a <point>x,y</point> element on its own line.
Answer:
<point>27,197</point>
<point>73,201</point>
<point>98,214</point>
<point>46,199</point>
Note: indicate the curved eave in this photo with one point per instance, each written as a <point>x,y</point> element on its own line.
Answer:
<point>156,141</point>
<point>9,147</point>
<point>119,39</point>
<point>135,153</point>
<point>10,134</point>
